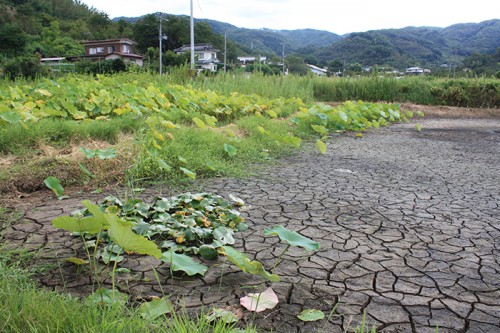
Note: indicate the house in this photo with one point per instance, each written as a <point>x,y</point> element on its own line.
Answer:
<point>317,70</point>
<point>110,49</point>
<point>206,56</point>
<point>417,71</point>
<point>250,60</point>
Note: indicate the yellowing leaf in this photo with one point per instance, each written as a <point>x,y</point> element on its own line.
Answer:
<point>77,261</point>
<point>272,114</point>
<point>261,130</point>
<point>122,235</point>
<point>321,146</point>
<point>199,122</point>
<point>158,135</point>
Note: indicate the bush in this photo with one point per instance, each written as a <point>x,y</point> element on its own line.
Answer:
<point>25,67</point>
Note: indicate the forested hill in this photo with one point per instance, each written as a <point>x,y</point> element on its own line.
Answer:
<point>56,28</point>
<point>415,45</point>
<point>271,41</point>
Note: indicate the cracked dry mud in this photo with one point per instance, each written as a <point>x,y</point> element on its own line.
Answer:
<point>408,223</point>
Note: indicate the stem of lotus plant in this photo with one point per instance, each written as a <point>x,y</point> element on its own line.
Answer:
<point>279,260</point>
<point>113,274</point>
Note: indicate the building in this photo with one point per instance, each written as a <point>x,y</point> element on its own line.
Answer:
<point>110,49</point>
<point>206,56</point>
<point>417,71</point>
<point>250,60</point>
<point>317,70</point>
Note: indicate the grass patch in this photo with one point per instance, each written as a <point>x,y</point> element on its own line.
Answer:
<point>59,133</point>
<point>208,152</point>
<point>26,308</point>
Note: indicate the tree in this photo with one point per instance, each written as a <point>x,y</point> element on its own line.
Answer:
<point>145,33</point>
<point>12,40</point>
<point>296,65</point>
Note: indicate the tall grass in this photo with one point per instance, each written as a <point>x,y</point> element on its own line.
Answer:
<point>478,92</point>
<point>426,90</point>
<point>246,83</point>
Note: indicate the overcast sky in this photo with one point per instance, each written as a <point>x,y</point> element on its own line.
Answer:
<point>335,16</point>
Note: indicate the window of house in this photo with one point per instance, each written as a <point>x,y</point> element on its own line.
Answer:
<point>100,49</point>
<point>125,49</point>
<point>92,50</point>
<point>111,49</point>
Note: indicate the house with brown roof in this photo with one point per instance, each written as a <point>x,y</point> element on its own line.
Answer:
<point>110,49</point>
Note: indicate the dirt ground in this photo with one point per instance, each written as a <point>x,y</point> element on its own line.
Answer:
<point>408,224</point>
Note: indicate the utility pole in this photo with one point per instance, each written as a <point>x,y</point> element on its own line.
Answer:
<point>283,57</point>
<point>192,36</point>
<point>161,38</point>
<point>225,50</point>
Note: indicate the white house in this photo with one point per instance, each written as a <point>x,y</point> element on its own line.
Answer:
<point>317,70</point>
<point>206,56</point>
<point>417,71</point>
<point>250,60</point>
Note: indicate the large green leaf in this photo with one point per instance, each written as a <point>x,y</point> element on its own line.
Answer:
<point>188,173</point>
<point>182,262</point>
<point>291,237</point>
<point>122,235</point>
<point>73,224</point>
<point>311,315</point>
<point>230,150</point>
<point>156,308</point>
<point>248,266</point>
<point>11,117</point>
<point>104,296</point>
<point>55,185</point>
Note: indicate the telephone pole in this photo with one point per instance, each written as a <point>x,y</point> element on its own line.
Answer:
<point>192,36</point>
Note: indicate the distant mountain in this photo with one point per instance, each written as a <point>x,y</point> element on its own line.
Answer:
<point>415,45</point>
<point>399,48</point>
<point>271,41</point>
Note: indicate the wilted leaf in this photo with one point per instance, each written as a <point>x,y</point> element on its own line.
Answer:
<point>182,262</point>
<point>359,135</point>
<point>291,237</point>
<point>156,308</point>
<point>259,302</point>
<point>311,315</point>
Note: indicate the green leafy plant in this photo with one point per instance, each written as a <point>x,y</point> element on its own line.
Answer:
<point>55,185</point>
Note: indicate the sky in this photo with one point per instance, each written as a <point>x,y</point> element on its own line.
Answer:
<point>336,16</point>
